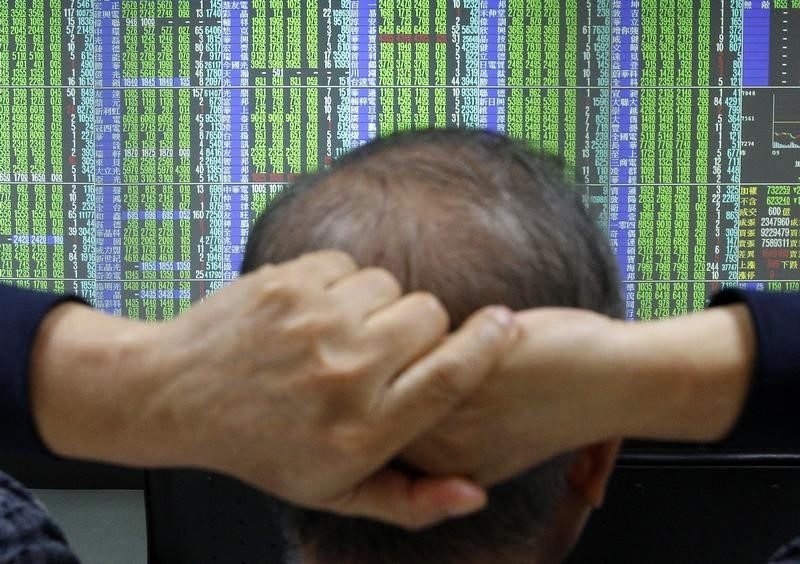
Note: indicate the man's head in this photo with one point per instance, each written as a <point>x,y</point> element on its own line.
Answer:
<point>476,219</point>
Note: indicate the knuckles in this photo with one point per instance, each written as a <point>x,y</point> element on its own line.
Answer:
<point>315,327</point>
<point>445,378</point>
<point>354,441</point>
<point>300,309</point>
<point>383,279</point>
<point>431,308</point>
<point>281,296</point>
<point>346,373</point>
<point>334,370</point>
<point>430,304</point>
<point>333,256</point>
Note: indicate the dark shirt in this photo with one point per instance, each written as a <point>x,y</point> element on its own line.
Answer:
<point>768,419</point>
<point>788,554</point>
<point>27,533</point>
<point>21,312</point>
<point>770,416</point>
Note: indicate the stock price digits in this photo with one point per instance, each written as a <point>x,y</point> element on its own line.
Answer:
<point>139,139</point>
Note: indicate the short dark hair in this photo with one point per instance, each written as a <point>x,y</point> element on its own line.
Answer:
<point>477,219</point>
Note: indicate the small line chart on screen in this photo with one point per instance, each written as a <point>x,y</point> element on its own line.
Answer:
<point>786,120</point>
<point>785,60</point>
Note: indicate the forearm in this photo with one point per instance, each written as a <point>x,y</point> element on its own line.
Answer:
<point>686,378</point>
<point>89,373</point>
<point>576,378</point>
<point>297,378</point>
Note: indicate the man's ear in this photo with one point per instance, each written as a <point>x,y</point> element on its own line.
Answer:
<point>590,469</point>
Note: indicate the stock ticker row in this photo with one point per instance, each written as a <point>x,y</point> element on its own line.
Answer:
<point>139,139</point>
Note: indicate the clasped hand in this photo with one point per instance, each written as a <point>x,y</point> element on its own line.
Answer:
<point>330,372</point>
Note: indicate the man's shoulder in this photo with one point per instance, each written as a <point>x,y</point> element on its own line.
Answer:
<point>27,532</point>
<point>787,554</point>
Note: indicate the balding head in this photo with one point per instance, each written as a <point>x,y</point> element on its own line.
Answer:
<point>471,216</point>
<point>476,219</point>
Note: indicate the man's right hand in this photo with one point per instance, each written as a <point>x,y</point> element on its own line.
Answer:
<point>554,391</point>
<point>303,379</point>
<point>576,377</point>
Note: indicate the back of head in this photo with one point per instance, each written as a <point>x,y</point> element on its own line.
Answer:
<point>476,219</point>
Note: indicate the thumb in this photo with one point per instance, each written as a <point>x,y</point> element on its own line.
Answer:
<point>395,497</point>
<point>432,387</point>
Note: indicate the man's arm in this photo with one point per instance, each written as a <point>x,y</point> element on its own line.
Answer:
<point>22,313</point>
<point>686,378</point>
<point>304,379</point>
<point>577,377</point>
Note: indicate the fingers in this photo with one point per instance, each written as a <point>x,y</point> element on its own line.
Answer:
<point>366,291</point>
<point>321,268</point>
<point>432,387</point>
<point>408,328</point>
<point>412,502</point>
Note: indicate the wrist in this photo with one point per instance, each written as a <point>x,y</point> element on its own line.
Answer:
<point>89,376</point>
<point>688,375</point>
<point>646,382</point>
<point>623,403</point>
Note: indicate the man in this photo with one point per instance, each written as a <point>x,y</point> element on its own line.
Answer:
<point>475,219</point>
<point>27,532</point>
<point>195,392</point>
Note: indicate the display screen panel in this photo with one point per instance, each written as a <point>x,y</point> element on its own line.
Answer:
<point>140,139</point>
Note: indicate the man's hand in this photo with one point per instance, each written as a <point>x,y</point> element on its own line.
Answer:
<point>536,404</point>
<point>576,377</point>
<point>304,379</point>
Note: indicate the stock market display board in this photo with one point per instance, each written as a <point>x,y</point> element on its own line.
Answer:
<point>140,138</point>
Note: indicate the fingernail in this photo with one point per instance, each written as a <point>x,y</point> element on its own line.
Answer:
<point>502,326</point>
<point>502,315</point>
<point>471,499</point>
